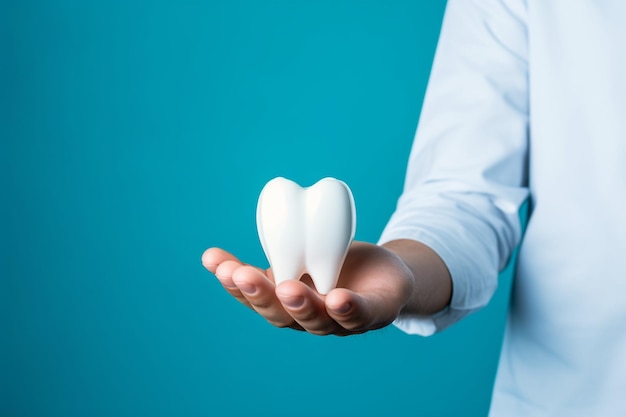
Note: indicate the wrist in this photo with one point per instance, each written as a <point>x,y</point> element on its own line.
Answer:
<point>431,281</point>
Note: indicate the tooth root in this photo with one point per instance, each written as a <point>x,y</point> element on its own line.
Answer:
<point>324,278</point>
<point>329,231</point>
<point>280,226</point>
<point>286,272</point>
<point>306,230</point>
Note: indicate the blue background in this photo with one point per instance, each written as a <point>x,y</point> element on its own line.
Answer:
<point>137,134</point>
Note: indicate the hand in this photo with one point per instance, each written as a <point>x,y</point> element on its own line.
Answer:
<point>374,285</point>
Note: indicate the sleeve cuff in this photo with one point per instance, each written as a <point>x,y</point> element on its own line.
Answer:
<point>460,305</point>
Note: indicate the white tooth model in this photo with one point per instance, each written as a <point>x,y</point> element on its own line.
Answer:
<point>306,230</point>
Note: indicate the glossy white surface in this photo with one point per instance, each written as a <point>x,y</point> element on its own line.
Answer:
<point>306,230</point>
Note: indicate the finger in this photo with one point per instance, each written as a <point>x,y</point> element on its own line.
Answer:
<point>213,257</point>
<point>357,312</point>
<point>224,273</point>
<point>307,307</point>
<point>260,293</point>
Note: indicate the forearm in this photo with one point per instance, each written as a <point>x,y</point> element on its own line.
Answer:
<point>432,289</point>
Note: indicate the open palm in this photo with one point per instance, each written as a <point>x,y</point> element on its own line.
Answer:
<point>374,285</point>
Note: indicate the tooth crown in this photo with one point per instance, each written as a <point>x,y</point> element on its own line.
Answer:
<point>306,230</point>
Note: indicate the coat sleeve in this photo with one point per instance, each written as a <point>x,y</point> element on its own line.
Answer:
<point>467,172</point>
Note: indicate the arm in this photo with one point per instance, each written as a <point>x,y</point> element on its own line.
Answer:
<point>457,221</point>
<point>432,284</point>
<point>467,172</point>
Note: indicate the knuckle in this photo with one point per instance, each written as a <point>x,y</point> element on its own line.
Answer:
<point>282,323</point>
<point>319,332</point>
<point>358,322</point>
<point>353,326</point>
<point>322,329</point>
<point>262,303</point>
<point>308,315</point>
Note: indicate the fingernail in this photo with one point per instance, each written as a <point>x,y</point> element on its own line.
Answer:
<point>342,309</point>
<point>248,288</point>
<point>293,302</point>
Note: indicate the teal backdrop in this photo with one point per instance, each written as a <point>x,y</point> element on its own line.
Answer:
<point>135,134</point>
